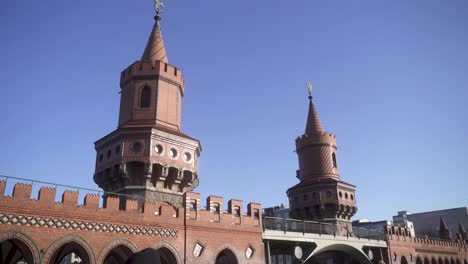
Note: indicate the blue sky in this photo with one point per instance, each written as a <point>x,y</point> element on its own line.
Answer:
<point>390,81</point>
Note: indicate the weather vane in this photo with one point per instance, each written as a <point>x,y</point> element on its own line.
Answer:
<point>158,7</point>
<point>309,87</point>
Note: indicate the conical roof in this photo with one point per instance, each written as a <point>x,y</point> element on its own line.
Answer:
<point>155,50</point>
<point>314,125</point>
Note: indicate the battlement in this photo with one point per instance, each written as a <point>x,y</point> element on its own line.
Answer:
<point>318,138</point>
<point>148,69</point>
<point>125,209</point>
<point>214,216</point>
<point>404,234</point>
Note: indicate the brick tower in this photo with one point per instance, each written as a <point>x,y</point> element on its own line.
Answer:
<point>320,195</point>
<point>148,155</point>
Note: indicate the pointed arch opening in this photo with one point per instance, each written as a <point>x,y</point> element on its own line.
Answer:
<point>335,165</point>
<point>118,255</point>
<point>14,251</point>
<point>145,97</point>
<point>418,260</point>
<point>403,260</point>
<point>167,257</point>
<point>226,257</point>
<point>71,252</point>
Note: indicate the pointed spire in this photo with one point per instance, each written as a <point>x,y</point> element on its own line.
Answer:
<point>444,232</point>
<point>155,50</point>
<point>314,125</point>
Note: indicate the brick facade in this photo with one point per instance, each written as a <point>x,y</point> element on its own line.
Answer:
<point>44,228</point>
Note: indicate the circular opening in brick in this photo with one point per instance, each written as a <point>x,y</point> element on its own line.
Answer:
<point>173,153</point>
<point>187,156</point>
<point>158,149</point>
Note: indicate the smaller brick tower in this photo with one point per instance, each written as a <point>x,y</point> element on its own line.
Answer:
<point>148,156</point>
<point>320,195</point>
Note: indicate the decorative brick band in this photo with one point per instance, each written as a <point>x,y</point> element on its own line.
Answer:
<point>83,225</point>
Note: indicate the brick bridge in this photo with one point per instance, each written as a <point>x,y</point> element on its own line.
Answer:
<point>44,230</point>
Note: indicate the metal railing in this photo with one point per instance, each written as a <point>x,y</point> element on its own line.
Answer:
<point>10,181</point>
<point>293,225</point>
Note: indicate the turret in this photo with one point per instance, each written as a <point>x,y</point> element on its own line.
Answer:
<point>320,195</point>
<point>148,155</point>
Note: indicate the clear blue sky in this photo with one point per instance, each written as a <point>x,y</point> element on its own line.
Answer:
<point>390,78</point>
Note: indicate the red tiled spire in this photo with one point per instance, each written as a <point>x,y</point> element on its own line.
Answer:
<point>155,50</point>
<point>314,125</point>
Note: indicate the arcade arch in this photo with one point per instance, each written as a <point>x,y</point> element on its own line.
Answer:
<point>167,256</point>
<point>403,260</point>
<point>16,246</point>
<point>118,255</point>
<point>226,256</point>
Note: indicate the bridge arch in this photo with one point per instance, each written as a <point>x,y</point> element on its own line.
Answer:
<point>357,254</point>
<point>18,246</point>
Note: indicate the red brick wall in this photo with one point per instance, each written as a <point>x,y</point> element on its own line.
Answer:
<point>45,225</point>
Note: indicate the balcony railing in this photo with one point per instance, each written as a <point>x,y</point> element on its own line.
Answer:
<point>293,225</point>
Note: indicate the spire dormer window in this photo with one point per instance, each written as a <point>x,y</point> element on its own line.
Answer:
<point>145,97</point>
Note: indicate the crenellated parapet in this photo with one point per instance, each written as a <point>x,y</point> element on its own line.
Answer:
<point>123,209</point>
<point>325,138</point>
<point>214,216</point>
<point>114,209</point>
<point>400,240</point>
<point>149,70</point>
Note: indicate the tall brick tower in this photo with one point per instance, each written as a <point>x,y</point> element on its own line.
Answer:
<point>320,195</point>
<point>148,155</point>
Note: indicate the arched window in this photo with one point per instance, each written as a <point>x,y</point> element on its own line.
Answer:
<point>145,97</point>
<point>334,160</point>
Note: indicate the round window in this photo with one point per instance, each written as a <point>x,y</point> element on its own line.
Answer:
<point>346,195</point>
<point>158,149</point>
<point>187,156</point>
<point>137,147</point>
<point>329,194</point>
<point>173,153</point>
